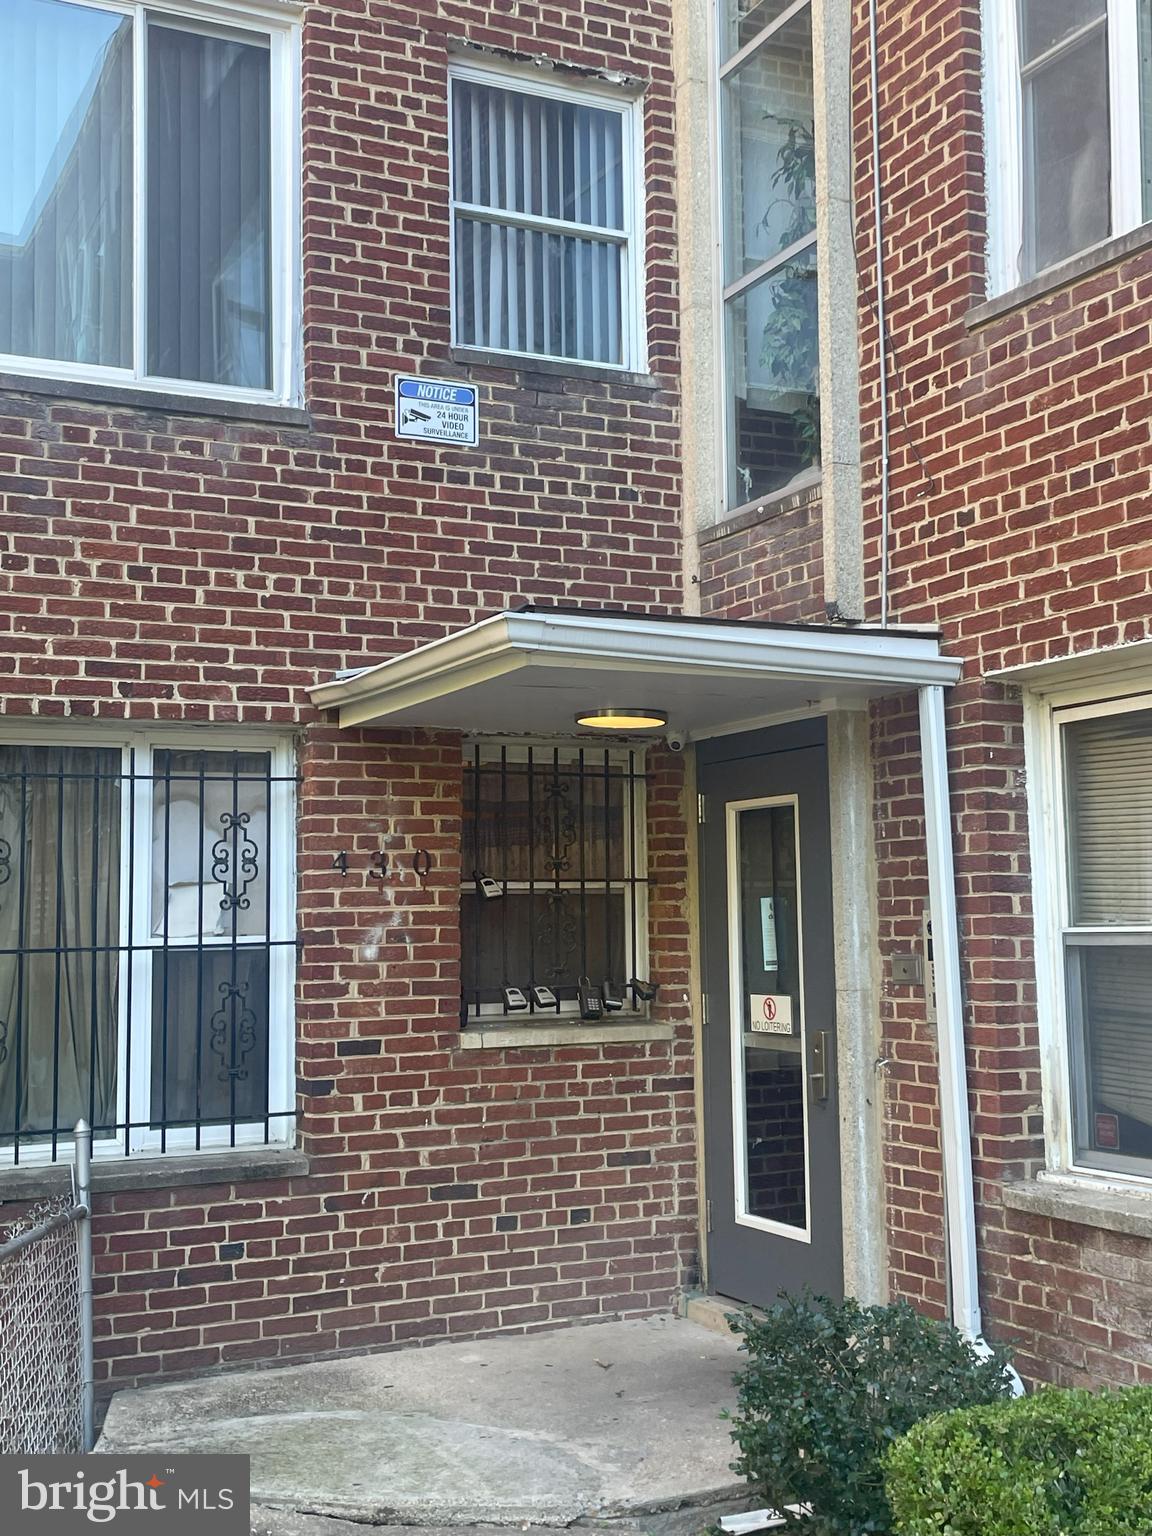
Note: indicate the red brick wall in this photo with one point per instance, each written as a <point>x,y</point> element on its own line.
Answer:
<point>1021,524</point>
<point>451,1191</point>
<point>196,569</point>
<point>188,569</point>
<point>769,568</point>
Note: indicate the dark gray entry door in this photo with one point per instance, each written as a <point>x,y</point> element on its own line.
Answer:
<point>772,1143</point>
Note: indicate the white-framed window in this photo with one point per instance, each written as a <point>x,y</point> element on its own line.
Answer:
<point>147,942</point>
<point>1068,129</point>
<point>554,881</point>
<point>148,196</point>
<point>770,334</point>
<point>547,219</point>
<point>1090,782</point>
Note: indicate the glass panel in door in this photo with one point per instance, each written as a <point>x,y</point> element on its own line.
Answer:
<point>769,1123</point>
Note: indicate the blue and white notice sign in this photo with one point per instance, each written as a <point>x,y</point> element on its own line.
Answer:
<point>437,411</point>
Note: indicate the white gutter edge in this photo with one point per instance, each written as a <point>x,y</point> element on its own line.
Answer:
<point>565,639</point>
<point>955,1125</point>
<point>481,639</point>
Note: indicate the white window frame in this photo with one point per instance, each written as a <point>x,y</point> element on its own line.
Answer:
<point>283,34</point>
<point>133,1099</point>
<point>635,959</point>
<point>1044,719</point>
<point>630,109</point>
<point>1004,136</point>
<point>724,65</point>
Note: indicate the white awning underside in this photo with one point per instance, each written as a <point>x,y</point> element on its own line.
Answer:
<point>534,670</point>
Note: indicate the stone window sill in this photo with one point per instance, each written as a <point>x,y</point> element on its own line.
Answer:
<point>160,401</point>
<point>1083,1203</point>
<point>591,373</point>
<point>788,499</point>
<point>1060,276</point>
<point>504,1036</point>
<point>234,1166</point>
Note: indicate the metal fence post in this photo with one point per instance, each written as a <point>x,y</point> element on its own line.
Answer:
<point>83,1135</point>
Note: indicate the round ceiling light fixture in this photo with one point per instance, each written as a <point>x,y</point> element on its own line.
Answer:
<point>623,718</point>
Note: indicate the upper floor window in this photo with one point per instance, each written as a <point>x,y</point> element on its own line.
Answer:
<point>1069,129</point>
<point>146,222</point>
<point>553,903</point>
<point>147,945</point>
<point>545,220</point>
<point>771,338</point>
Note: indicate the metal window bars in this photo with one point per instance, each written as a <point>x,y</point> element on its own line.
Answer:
<point>146,949</point>
<point>554,881</point>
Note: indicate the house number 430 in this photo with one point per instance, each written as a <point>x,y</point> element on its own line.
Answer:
<point>420,862</point>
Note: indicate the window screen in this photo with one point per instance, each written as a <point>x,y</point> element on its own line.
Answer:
<point>1108,940</point>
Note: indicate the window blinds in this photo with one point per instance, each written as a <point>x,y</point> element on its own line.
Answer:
<point>1116,988</point>
<point>1108,765</point>
<point>1108,777</point>
<point>540,229</point>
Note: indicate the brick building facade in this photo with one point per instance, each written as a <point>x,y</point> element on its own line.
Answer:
<point>230,580</point>
<point>1020,525</point>
<point>1017,524</point>
<point>171,563</point>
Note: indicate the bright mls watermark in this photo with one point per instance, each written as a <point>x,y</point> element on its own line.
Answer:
<point>60,1495</point>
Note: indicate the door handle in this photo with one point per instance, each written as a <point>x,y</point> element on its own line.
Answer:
<point>818,1074</point>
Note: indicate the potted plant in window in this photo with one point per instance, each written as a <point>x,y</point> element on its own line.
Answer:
<point>790,342</point>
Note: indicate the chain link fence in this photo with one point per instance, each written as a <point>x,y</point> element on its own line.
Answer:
<point>46,1397</point>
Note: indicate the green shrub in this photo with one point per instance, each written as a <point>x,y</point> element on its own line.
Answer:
<point>828,1386</point>
<point>1062,1463</point>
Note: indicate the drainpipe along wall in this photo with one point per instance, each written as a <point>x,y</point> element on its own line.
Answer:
<point>955,1136</point>
<point>955,1132</point>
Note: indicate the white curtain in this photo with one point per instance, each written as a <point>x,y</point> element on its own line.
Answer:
<point>209,190</point>
<point>65,182</point>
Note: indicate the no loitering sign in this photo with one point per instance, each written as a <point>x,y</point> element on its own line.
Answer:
<point>437,411</point>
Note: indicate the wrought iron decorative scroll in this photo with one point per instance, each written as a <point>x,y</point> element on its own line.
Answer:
<point>557,934</point>
<point>235,861</point>
<point>233,1024</point>
<point>556,826</point>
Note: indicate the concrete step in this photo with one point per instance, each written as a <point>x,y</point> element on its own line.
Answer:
<point>711,1311</point>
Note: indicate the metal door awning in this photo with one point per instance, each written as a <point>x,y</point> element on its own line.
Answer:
<point>535,668</point>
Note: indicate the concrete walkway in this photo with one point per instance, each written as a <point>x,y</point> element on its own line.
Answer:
<point>609,1422</point>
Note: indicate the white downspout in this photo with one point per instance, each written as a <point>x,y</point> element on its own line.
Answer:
<point>955,1134</point>
<point>955,1130</point>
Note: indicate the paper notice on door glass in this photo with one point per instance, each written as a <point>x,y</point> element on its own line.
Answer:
<point>768,932</point>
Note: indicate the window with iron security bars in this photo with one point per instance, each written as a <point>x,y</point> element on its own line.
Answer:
<point>147,947</point>
<point>553,903</point>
